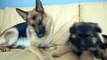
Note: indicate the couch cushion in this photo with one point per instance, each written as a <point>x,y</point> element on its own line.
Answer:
<point>1,19</point>
<point>17,54</point>
<point>95,12</point>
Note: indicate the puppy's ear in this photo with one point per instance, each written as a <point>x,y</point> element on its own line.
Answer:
<point>22,13</point>
<point>39,8</point>
<point>105,38</point>
<point>98,29</point>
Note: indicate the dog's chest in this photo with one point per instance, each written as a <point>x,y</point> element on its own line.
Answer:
<point>24,42</point>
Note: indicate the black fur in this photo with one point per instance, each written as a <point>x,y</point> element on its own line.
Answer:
<point>84,33</point>
<point>21,27</point>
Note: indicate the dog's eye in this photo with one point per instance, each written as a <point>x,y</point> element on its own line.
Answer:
<point>33,25</point>
<point>34,17</point>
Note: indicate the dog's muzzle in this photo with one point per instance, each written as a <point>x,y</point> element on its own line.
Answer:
<point>40,30</point>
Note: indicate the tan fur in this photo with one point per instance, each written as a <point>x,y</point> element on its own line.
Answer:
<point>61,51</point>
<point>9,36</point>
<point>44,40</point>
<point>33,18</point>
<point>86,55</point>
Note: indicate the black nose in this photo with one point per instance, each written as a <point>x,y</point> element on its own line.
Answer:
<point>40,35</point>
<point>40,31</point>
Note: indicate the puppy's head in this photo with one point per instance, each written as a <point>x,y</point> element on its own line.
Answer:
<point>34,18</point>
<point>84,35</point>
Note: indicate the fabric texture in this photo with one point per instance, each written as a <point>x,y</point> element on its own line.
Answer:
<point>95,12</point>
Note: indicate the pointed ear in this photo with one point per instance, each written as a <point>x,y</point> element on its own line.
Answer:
<point>22,13</point>
<point>98,29</point>
<point>39,8</point>
<point>105,38</point>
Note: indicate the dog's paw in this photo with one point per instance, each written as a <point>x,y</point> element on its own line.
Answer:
<point>55,55</point>
<point>51,48</point>
<point>4,49</point>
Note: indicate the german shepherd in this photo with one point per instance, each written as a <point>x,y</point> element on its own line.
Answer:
<point>84,37</point>
<point>33,34</point>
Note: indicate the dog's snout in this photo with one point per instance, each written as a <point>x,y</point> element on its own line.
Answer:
<point>40,35</point>
<point>40,30</point>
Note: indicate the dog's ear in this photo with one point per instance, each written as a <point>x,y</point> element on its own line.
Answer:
<point>22,13</point>
<point>39,8</point>
<point>105,38</point>
<point>104,45</point>
<point>98,29</point>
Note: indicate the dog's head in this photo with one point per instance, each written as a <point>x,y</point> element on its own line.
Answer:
<point>34,18</point>
<point>84,35</point>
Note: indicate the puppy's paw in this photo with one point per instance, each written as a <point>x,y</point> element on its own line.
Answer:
<point>55,55</point>
<point>4,49</point>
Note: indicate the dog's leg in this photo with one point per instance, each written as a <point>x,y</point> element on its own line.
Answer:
<point>101,54</point>
<point>49,35</point>
<point>61,51</point>
<point>8,38</point>
<point>50,30</point>
<point>34,44</point>
<point>86,55</point>
<point>104,54</point>
<point>33,48</point>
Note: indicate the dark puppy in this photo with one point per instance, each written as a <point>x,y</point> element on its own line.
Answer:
<point>84,36</point>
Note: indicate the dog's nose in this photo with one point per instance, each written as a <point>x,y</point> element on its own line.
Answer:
<point>40,35</point>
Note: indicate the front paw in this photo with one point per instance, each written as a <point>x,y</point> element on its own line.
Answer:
<point>4,49</point>
<point>55,55</point>
<point>51,48</point>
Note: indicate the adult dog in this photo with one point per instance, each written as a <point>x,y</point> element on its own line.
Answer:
<point>33,34</point>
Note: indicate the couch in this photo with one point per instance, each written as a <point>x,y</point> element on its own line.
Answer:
<point>63,17</point>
